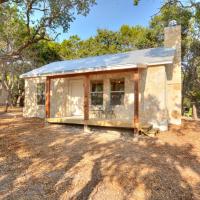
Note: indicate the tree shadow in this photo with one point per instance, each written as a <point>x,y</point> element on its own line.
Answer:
<point>52,162</point>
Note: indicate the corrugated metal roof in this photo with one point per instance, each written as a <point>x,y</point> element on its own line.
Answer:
<point>131,59</point>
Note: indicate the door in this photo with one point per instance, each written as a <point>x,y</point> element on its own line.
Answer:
<point>76,97</point>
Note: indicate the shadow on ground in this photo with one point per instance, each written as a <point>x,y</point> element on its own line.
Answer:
<point>52,162</point>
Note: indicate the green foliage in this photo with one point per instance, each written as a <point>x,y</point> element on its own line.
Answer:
<point>12,27</point>
<point>44,52</point>
<point>168,13</point>
<point>20,30</point>
<point>108,42</point>
<point>186,15</point>
<point>135,2</point>
<point>39,18</point>
<point>25,25</point>
<point>137,37</point>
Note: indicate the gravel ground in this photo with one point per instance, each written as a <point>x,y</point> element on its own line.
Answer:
<point>39,161</point>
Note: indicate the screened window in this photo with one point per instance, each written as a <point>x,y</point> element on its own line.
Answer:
<point>117,92</point>
<point>97,93</point>
<point>41,94</point>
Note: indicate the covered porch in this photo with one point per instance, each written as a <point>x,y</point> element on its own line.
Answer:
<point>84,101</point>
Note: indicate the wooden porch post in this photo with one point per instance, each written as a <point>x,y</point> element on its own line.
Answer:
<point>136,98</point>
<point>47,102</point>
<point>86,101</point>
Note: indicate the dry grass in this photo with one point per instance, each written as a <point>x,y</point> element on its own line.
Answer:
<point>57,162</point>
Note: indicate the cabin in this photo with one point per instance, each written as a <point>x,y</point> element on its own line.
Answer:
<point>118,90</point>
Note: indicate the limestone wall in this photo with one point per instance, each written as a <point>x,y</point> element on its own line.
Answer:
<point>153,105</point>
<point>152,96</point>
<point>60,96</point>
<point>174,82</point>
<point>125,111</point>
<point>31,109</point>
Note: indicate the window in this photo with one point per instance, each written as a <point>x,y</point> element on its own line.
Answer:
<point>96,93</point>
<point>41,94</point>
<point>117,92</point>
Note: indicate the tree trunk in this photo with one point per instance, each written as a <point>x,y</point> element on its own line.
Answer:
<point>194,111</point>
<point>7,104</point>
<point>19,100</point>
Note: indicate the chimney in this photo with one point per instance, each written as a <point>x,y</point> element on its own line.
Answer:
<point>172,39</point>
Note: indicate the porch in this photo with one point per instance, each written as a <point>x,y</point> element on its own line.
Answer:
<point>94,107</point>
<point>92,122</point>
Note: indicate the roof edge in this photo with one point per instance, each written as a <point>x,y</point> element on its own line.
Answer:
<point>106,68</point>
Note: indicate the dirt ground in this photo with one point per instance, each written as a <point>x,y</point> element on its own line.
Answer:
<point>39,161</point>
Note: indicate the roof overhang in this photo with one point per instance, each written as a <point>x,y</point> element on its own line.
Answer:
<point>89,70</point>
<point>99,70</point>
<point>113,62</point>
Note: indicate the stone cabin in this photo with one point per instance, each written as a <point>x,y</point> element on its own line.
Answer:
<point>118,90</point>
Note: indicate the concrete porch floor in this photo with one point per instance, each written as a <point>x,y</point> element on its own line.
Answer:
<point>92,122</point>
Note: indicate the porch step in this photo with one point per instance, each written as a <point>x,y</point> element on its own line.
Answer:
<point>148,130</point>
<point>153,132</point>
<point>145,127</point>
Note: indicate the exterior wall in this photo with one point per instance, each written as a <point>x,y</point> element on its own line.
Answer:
<point>153,97</point>
<point>121,112</point>
<point>174,82</point>
<point>60,107</point>
<point>3,95</point>
<point>153,105</point>
<point>31,109</point>
<point>60,97</point>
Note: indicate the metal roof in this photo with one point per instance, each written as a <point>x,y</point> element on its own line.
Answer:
<point>152,56</point>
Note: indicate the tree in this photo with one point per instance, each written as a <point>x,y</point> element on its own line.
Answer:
<point>137,37</point>
<point>41,17</point>
<point>107,42</point>
<point>188,16</point>
<point>23,24</point>
<point>69,49</point>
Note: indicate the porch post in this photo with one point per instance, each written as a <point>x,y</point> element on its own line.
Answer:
<point>86,101</point>
<point>136,98</point>
<point>47,102</point>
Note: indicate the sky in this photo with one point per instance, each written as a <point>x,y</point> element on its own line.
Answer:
<point>112,14</point>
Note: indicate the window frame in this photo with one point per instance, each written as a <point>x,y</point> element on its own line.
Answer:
<point>96,92</point>
<point>122,92</point>
<point>43,99</point>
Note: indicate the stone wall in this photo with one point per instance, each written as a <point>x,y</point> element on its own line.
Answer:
<point>153,105</point>
<point>173,72</point>
<point>31,109</point>
<point>153,99</point>
<point>121,112</point>
<point>60,96</point>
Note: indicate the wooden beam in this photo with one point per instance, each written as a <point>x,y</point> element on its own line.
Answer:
<point>47,102</point>
<point>92,73</point>
<point>136,97</point>
<point>86,98</point>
